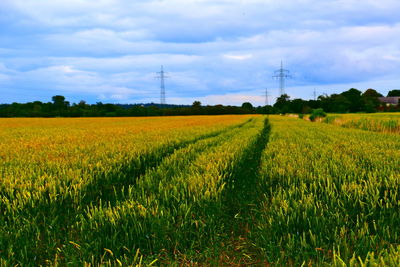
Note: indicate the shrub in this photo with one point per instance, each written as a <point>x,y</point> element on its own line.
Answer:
<point>317,113</point>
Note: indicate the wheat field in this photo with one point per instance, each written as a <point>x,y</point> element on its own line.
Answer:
<point>199,190</point>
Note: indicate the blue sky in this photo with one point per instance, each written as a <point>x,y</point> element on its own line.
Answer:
<point>215,51</point>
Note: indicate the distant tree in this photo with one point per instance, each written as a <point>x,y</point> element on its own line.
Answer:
<point>306,110</point>
<point>82,103</point>
<point>370,100</point>
<point>195,109</point>
<point>395,92</point>
<point>313,104</point>
<point>247,105</point>
<point>60,106</point>
<point>196,104</point>
<point>267,110</point>
<point>37,109</point>
<point>340,104</point>
<point>297,105</point>
<point>371,93</point>
<point>354,98</point>
<point>137,111</point>
<point>333,103</point>
<point>282,103</point>
<point>59,101</point>
<point>153,111</point>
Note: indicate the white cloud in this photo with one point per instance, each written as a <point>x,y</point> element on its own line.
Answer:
<point>238,57</point>
<point>223,99</point>
<point>111,49</point>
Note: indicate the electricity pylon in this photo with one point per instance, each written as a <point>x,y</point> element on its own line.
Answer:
<point>282,74</point>
<point>162,76</point>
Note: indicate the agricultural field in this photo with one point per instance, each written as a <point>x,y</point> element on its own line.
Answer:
<point>330,195</point>
<point>377,122</point>
<point>199,190</point>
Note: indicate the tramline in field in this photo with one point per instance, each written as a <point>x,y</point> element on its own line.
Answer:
<point>62,173</point>
<point>208,190</point>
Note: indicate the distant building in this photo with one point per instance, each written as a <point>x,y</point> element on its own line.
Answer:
<point>390,100</point>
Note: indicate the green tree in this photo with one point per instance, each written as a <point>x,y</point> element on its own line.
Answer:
<point>196,108</point>
<point>59,101</point>
<point>247,105</point>
<point>395,92</point>
<point>196,104</point>
<point>355,101</point>
<point>60,106</point>
<point>371,93</point>
<point>370,100</point>
<point>282,103</point>
<point>297,105</point>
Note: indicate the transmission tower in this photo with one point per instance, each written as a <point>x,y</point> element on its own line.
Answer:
<point>282,74</point>
<point>162,76</point>
<point>266,96</point>
<point>315,94</point>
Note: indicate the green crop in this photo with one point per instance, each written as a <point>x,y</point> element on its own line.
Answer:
<point>201,190</point>
<point>331,195</point>
<point>379,122</point>
<point>103,191</point>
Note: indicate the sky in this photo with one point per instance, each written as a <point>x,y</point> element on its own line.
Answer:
<point>215,51</point>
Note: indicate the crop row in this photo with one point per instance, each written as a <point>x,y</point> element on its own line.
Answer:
<point>387,122</point>
<point>93,190</point>
<point>198,190</point>
<point>330,195</point>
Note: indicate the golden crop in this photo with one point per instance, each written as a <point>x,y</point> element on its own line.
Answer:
<point>200,190</point>
<point>377,122</point>
<point>56,172</point>
<point>330,193</point>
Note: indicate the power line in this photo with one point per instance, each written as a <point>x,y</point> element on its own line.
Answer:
<point>282,74</point>
<point>162,76</point>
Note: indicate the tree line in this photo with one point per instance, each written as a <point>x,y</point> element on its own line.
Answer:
<point>59,107</point>
<point>351,100</point>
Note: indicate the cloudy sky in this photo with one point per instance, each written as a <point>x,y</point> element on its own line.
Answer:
<point>215,51</point>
